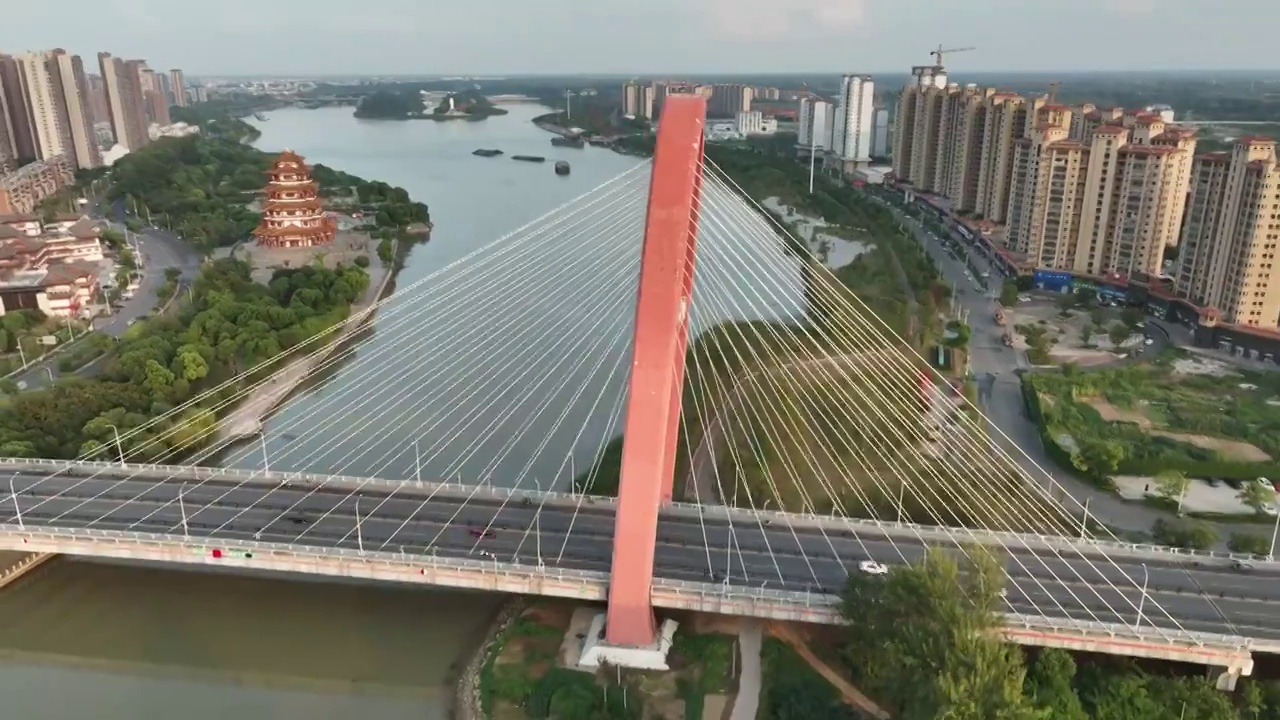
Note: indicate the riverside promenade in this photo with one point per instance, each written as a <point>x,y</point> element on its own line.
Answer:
<point>246,420</point>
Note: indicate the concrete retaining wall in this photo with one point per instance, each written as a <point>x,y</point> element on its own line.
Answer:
<point>23,565</point>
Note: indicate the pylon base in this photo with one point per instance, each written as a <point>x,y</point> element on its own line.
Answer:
<point>596,651</point>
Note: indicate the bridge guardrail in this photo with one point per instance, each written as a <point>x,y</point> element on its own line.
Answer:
<point>1003,538</point>
<point>718,591</point>
<point>1030,622</point>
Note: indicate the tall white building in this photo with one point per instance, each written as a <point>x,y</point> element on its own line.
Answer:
<point>852,134</point>
<point>816,118</point>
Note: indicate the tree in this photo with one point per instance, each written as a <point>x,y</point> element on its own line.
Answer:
<point>923,640</point>
<point>1049,686</point>
<point>1177,533</point>
<point>1257,495</point>
<point>1100,458</point>
<point>1066,303</point>
<point>1172,486</point>
<point>1118,333</point>
<point>1131,317</point>
<point>1087,332</point>
<point>1009,294</point>
<point>1250,543</point>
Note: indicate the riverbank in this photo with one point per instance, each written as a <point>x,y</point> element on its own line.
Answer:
<point>247,419</point>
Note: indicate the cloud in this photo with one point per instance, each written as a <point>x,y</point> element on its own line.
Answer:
<point>754,20</point>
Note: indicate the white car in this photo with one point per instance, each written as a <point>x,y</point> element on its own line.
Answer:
<point>871,567</point>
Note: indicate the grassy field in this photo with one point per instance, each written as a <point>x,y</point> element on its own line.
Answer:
<point>1170,415</point>
<point>843,436</point>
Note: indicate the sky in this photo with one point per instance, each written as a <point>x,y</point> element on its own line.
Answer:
<point>496,37</point>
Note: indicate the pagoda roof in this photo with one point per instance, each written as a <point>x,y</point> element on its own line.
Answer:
<point>299,204</point>
<point>327,228</point>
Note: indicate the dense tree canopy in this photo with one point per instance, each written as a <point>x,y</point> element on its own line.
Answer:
<point>233,325</point>
<point>923,642</point>
<point>198,184</point>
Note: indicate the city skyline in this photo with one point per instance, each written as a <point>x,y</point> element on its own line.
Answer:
<point>237,37</point>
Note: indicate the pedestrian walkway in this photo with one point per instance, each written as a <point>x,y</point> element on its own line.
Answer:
<point>852,695</point>
<point>750,642</point>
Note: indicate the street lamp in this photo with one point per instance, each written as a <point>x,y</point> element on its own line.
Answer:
<point>182,510</point>
<point>50,371</point>
<point>119,448</point>
<point>537,523</point>
<point>1142,601</point>
<point>359,530</point>
<point>1274,531</point>
<point>17,510</point>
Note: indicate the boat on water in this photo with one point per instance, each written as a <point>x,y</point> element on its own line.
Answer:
<point>572,141</point>
<point>259,117</point>
<point>482,152</point>
<point>529,158</point>
<point>562,168</point>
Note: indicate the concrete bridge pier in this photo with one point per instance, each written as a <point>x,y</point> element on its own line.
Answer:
<point>14,565</point>
<point>1227,677</point>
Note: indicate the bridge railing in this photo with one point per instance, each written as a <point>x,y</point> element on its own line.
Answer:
<point>1037,623</point>
<point>68,540</point>
<point>947,535</point>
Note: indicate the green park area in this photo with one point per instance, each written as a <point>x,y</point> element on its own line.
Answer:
<point>169,378</point>
<point>922,649</point>
<point>923,642</point>
<point>1164,416</point>
<point>524,676</point>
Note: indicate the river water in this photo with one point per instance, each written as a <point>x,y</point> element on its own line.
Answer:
<point>113,642</point>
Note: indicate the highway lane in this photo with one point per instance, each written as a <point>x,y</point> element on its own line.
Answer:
<point>775,556</point>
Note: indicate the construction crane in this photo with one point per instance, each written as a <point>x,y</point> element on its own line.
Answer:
<point>937,54</point>
<point>1053,92</point>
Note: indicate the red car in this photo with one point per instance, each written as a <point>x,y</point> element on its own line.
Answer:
<point>482,533</point>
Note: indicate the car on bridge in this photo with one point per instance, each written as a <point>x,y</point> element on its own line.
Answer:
<point>482,533</point>
<point>871,567</point>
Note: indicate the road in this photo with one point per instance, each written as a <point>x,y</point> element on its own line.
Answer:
<point>159,250</point>
<point>562,534</point>
<point>995,367</point>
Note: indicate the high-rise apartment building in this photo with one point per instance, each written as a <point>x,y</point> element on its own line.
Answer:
<point>98,100</point>
<point>816,121</point>
<point>638,100</point>
<point>8,150</point>
<point>42,86</point>
<point>125,100</point>
<point>153,94</point>
<point>959,142</point>
<point>1228,245</point>
<point>851,136</point>
<point>178,87</point>
<point>73,86</point>
<point>21,137</point>
<point>1108,203</point>
<point>729,100</point>
<point>916,128</point>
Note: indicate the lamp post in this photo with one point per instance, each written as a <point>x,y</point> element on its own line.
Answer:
<point>1084,523</point>
<point>182,510</point>
<point>359,530</point>
<point>119,447</point>
<point>17,509</point>
<point>902,492</point>
<point>1274,531</point>
<point>49,370</point>
<point>266,461</point>
<point>417,462</point>
<point>537,524</point>
<point>1142,601</point>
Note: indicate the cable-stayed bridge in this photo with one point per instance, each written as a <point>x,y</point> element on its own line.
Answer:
<point>776,435</point>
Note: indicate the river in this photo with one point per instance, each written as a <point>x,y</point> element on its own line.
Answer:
<point>114,642</point>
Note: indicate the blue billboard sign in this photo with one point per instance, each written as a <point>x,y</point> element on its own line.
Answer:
<point>1052,280</point>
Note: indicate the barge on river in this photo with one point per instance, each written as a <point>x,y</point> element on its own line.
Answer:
<point>562,168</point>
<point>487,153</point>
<point>529,158</point>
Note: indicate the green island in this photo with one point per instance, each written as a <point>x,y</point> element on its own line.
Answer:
<point>948,661</point>
<point>201,186</point>
<point>407,104</point>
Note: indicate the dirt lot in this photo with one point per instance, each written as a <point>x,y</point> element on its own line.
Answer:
<point>1234,449</point>
<point>1066,334</point>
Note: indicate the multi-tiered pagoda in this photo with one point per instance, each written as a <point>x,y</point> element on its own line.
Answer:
<point>293,214</point>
